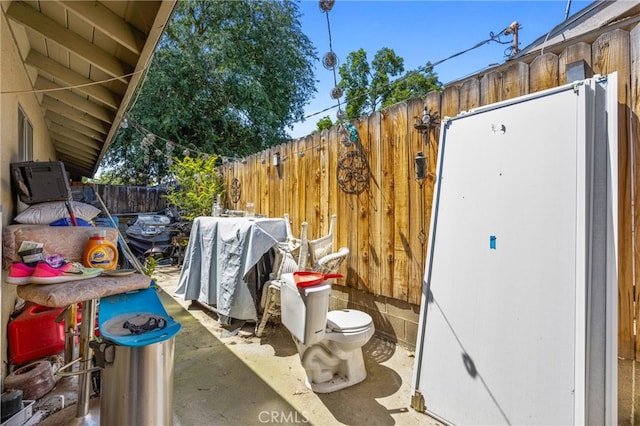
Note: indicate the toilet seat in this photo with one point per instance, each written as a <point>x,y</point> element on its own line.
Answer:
<point>348,321</point>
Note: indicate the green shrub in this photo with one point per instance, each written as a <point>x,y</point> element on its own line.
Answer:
<point>197,184</point>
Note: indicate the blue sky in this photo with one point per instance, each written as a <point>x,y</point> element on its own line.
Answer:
<point>421,31</point>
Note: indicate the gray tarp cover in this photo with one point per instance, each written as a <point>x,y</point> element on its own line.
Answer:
<point>220,254</point>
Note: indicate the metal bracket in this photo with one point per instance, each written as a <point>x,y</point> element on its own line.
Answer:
<point>417,402</point>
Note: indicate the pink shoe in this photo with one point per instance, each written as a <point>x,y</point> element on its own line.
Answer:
<point>46,274</point>
<point>19,273</point>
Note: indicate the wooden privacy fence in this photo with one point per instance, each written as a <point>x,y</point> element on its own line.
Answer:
<point>385,225</point>
<point>121,199</point>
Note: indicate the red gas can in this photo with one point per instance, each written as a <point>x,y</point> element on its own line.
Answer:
<point>34,334</point>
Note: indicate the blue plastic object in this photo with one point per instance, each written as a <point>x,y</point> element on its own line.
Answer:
<point>124,319</point>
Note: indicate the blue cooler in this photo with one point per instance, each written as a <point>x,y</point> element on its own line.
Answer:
<point>137,359</point>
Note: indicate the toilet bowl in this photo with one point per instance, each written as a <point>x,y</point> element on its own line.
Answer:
<point>329,343</point>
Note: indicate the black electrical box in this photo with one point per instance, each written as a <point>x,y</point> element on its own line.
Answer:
<point>40,181</point>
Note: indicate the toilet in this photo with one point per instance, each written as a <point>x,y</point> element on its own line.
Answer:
<point>329,343</point>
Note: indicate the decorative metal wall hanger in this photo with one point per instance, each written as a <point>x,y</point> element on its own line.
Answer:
<point>235,186</point>
<point>423,124</point>
<point>353,166</point>
<point>429,120</point>
<point>235,190</point>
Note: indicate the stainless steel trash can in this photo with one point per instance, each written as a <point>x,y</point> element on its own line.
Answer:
<point>137,358</point>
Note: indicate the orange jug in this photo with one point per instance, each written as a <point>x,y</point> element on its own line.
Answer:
<point>100,252</point>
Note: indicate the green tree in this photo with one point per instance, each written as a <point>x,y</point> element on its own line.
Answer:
<point>197,182</point>
<point>369,87</point>
<point>229,77</point>
<point>386,64</point>
<point>413,84</point>
<point>324,123</point>
<point>354,80</point>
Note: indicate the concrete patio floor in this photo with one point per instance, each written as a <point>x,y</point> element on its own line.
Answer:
<point>228,376</point>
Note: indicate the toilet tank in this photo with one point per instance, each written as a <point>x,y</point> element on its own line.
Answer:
<point>304,310</point>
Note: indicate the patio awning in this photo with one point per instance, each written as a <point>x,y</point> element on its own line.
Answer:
<point>84,60</point>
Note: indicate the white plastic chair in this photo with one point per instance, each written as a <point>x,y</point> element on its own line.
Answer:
<point>321,247</point>
<point>330,263</point>
<point>290,257</point>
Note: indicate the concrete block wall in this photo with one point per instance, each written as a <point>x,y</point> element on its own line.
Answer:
<point>394,319</point>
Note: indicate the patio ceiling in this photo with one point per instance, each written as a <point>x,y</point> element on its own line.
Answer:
<point>84,60</point>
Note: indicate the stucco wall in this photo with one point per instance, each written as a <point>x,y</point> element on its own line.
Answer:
<point>15,88</point>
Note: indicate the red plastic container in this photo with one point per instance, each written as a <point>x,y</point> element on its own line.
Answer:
<point>34,334</point>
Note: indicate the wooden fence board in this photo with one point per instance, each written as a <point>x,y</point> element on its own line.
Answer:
<point>515,81</point>
<point>543,73</point>
<point>310,168</point>
<point>387,183</point>
<point>265,184</point>
<point>634,43</point>
<point>323,197</point>
<point>575,52</point>
<point>401,191</point>
<point>417,144</point>
<point>344,225</point>
<point>373,252</point>
<point>491,88</point>
<point>307,173</point>
<point>313,199</point>
<point>611,53</point>
<point>296,188</point>
<point>469,94</point>
<point>253,171</point>
<point>274,177</point>
<point>362,210</point>
<point>450,101</point>
<point>330,144</point>
<point>352,230</point>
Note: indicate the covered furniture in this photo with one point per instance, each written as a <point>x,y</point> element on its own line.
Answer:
<point>225,263</point>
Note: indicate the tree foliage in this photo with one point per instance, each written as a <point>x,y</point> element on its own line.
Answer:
<point>228,78</point>
<point>197,182</point>
<point>324,123</point>
<point>369,87</point>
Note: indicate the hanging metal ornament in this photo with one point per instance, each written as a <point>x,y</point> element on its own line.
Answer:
<point>326,5</point>
<point>235,191</point>
<point>353,167</point>
<point>348,133</point>
<point>330,60</point>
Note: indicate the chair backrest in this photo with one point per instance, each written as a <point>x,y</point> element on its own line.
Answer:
<point>291,255</point>
<point>322,246</point>
<point>287,225</point>
<point>330,263</point>
<point>304,248</point>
